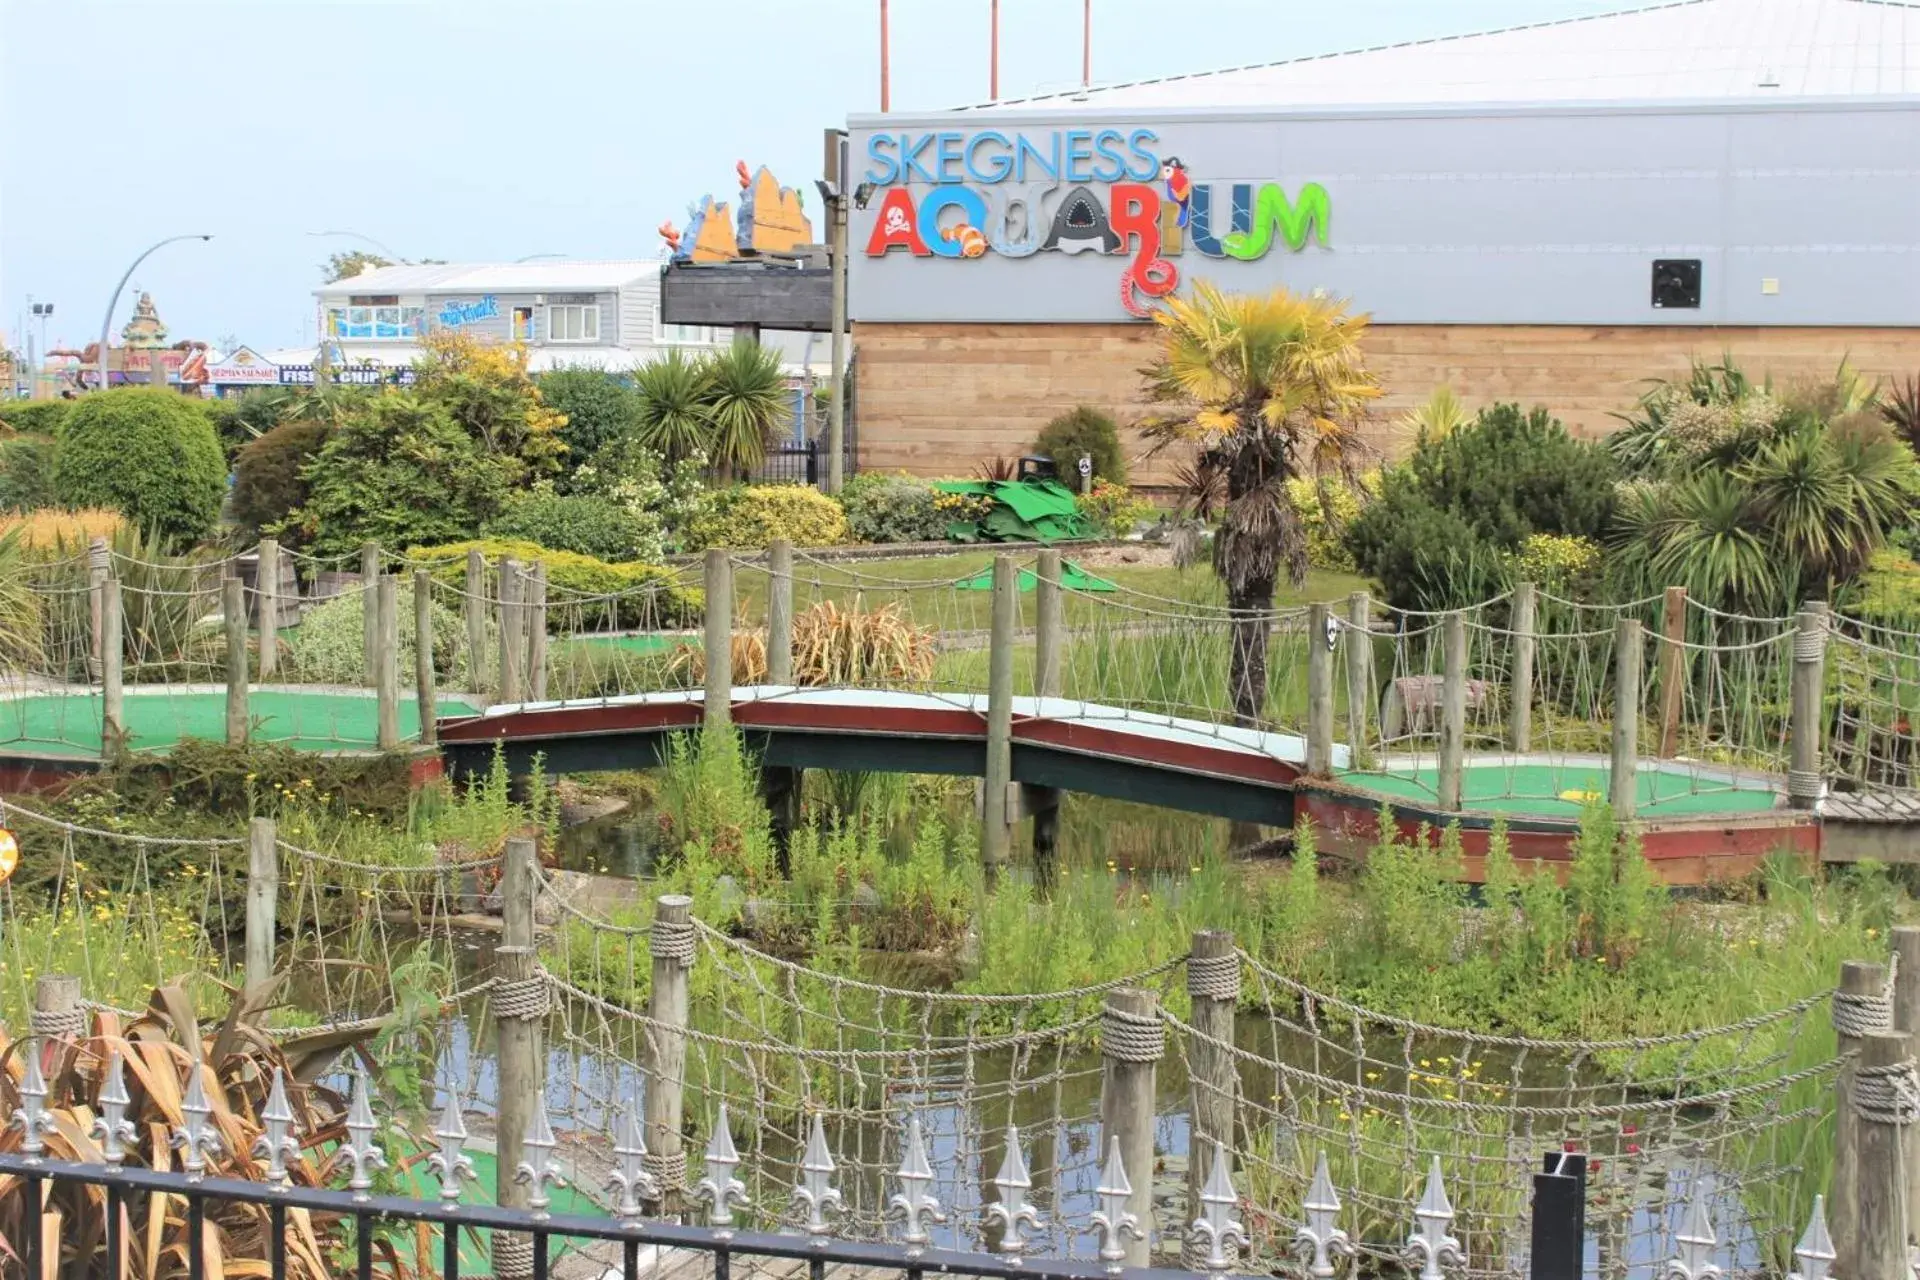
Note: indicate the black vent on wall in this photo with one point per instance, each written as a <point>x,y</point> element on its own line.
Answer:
<point>1676,282</point>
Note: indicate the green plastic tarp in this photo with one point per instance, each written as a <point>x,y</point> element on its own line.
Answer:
<point>1020,511</point>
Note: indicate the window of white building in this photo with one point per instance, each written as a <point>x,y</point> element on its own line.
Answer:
<point>692,335</point>
<point>573,323</point>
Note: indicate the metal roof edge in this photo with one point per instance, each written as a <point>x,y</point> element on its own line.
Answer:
<point>974,121</point>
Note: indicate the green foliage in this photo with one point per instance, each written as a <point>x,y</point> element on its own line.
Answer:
<point>1084,430</point>
<point>329,646</point>
<point>1565,565</point>
<point>754,515</point>
<point>585,523</point>
<point>600,407</point>
<point>403,472</point>
<point>344,266</point>
<point>1326,506</point>
<point>150,454</point>
<point>1449,519</point>
<point>269,476</point>
<point>643,596</point>
<point>27,466</point>
<point>672,392</point>
<point>36,417</point>
<point>240,419</point>
<point>1888,592</point>
<point>746,402</point>
<point>1112,509</point>
<point>487,391</point>
<point>889,508</point>
<point>671,497</point>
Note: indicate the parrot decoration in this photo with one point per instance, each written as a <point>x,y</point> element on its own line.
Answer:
<point>1179,186</point>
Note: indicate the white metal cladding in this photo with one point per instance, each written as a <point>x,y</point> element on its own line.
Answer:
<point>1692,49</point>
<point>1485,215</point>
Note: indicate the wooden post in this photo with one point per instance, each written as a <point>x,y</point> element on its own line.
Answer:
<point>369,586</point>
<point>1629,660</point>
<point>1520,727</point>
<point>672,943</point>
<point>511,650</point>
<point>1359,642</point>
<point>780,612</point>
<point>473,607</point>
<point>113,681</point>
<point>1049,624</point>
<point>536,614</point>
<point>425,697</point>
<point>519,1017</point>
<point>266,585</point>
<point>1049,649</point>
<point>1132,1039</point>
<point>233,606</point>
<point>1453,712</point>
<point>1673,668</point>
<point>263,888</point>
<point>386,666</point>
<point>1809,678</point>
<point>56,1007</point>
<point>1882,1194</point>
<point>1213,986</point>
<point>99,568</point>
<point>717,713</point>
<point>1906,1017</point>
<point>1856,1011</point>
<point>996,818</point>
<point>1319,690</point>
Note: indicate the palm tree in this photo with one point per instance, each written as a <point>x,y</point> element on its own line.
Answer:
<point>672,417</point>
<point>747,399</point>
<point>1265,387</point>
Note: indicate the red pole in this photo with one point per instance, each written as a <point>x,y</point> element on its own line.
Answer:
<point>1086,44</point>
<point>993,64</point>
<point>883,55</point>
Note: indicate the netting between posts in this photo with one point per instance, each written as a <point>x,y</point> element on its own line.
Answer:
<point>1741,1112</point>
<point>1872,723</point>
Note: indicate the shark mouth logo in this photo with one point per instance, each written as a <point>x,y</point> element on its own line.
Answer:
<point>1081,226</point>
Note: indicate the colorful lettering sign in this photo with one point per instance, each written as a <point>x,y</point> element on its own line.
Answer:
<point>353,375</point>
<point>454,314</point>
<point>1103,191</point>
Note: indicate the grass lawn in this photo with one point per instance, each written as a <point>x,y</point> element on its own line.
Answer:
<point>922,584</point>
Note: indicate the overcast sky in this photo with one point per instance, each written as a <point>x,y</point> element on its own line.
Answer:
<point>478,130</point>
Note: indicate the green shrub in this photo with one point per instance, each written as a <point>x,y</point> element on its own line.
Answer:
<point>754,515</point>
<point>580,522</point>
<point>1084,431</point>
<point>1888,592</point>
<point>36,417</point>
<point>1565,565</point>
<point>884,508</point>
<point>600,408</point>
<point>151,454</point>
<point>1113,509</point>
<point>27,473</point>
<point>1449,519</point>
<point>269,475</point>
<point>329,646</point>
<point>401,473</point>
<point>572,577</point>
<point>628,473</point>
<point>1326,509</point>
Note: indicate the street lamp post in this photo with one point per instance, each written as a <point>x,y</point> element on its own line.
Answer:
<point>357,235</point>
<point>106,324</point>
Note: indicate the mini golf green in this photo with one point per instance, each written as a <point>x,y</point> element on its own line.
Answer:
<point>68,724</point>
<point>646,643</point>
<point>476,1245</point>
<point>1563,790</point>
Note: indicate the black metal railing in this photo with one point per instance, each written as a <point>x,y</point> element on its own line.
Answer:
<point>367,1211</point>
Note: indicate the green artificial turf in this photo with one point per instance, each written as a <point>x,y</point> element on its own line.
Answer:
<point>310,720</point>
<point>1561,791</point>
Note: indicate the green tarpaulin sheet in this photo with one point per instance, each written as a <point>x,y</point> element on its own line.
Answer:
<point>1072,576</point>
<point>1021,511</point>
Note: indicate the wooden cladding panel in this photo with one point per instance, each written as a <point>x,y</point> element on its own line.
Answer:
<point>938,399</point>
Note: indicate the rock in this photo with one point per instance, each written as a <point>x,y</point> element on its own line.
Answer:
<point>866,897</point>
<point>757,914</point>
<point>966,956</point>
<point>731,899</point>
<point>574,812</point>
<point>546,911</point>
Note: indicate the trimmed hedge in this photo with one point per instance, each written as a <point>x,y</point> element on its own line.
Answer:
<point>36,417</point>
<point>570,577</point>
<point>26,473</point>
<point>269,475</point>
<point>755,515</point>
<point>150,454</point>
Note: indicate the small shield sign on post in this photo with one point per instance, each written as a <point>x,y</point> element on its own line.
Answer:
<point>9,855</point>
<point>1333,633</point>
<point>1086,466</point>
